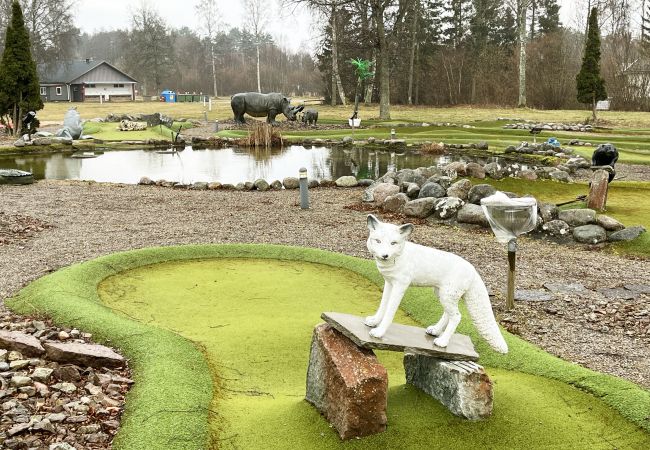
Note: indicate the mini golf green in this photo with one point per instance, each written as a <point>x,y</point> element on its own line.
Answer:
<point>218,339</point>
<point>254,320</point>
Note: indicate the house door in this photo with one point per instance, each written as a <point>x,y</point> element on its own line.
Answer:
<point>76,93</point>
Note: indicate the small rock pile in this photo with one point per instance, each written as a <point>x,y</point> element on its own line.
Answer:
<point>257,185</point>
<point>550,126</point>
<point>434,194</point>
<point>57,390</point>
<point>18,228</point>
<point>42,138</point>
<point>127,125</point>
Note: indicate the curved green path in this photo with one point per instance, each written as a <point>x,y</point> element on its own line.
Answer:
<point>253,318</point>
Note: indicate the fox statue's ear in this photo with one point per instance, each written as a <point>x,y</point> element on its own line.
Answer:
<point>406,230</point>
<point>372,222</point>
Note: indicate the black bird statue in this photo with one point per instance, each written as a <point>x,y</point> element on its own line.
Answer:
<point>535,131</point>
<point>605,155</point>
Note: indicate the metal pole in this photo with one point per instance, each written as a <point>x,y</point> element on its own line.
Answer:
<point>216,126</point>
<point>512,257</point>
<point>304,189</point>
<point>205,116</point>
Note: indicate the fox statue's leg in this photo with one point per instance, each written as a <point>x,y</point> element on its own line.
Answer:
<point>449,300</point>
<point>373,321</point>
<point>435,330</point>
<point>396,293</point>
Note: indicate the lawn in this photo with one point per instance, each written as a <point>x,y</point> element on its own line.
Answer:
<point>252,318</point>
<point>110,132</point>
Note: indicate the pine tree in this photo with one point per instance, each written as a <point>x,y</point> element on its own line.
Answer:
<point>19,86</point>
<point>590,84</point>
<point>549,16</point>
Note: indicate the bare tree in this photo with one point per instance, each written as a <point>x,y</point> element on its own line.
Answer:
<point>207,9</point>
<point>520,8</point>
<point>256,23</point>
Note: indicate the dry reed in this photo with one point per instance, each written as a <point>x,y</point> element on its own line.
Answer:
<point>262,134</point>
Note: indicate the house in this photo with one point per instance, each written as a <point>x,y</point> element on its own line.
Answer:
<point>85,81</point>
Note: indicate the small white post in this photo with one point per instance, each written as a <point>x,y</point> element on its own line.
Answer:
<point>209,103</point>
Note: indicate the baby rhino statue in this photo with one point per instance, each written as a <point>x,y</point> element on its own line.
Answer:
<point>263,105</point>
<point>310,117</point>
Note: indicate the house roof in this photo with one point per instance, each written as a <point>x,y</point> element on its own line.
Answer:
<point>69,71</point>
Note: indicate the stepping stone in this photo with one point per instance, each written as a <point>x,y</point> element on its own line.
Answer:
<point>563,288</point>
<point>619,293</point>
<point>26,344</point>
<point>640,288</point>
<point>533,296</point>
<point>83,354</point>
<point>401,338</point>
<point>346,384</point>
<point>461,386</point>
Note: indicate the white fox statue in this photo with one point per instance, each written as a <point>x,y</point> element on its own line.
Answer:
<point>404,263</point>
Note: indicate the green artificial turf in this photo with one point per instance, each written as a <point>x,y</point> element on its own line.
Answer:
<point>254,321</point>
<point>109,131</point>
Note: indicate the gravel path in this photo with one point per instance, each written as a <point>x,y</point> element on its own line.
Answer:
<point>80,221</point>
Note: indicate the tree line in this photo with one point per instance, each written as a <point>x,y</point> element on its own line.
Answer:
<point>423,52</point>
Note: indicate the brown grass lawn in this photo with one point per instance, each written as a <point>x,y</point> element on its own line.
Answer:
<point>463,114</point>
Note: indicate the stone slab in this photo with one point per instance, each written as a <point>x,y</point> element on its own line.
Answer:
<point>463,387</point>
<point>619,293</point>
<point>26,344</point>
<point>401,338</point>
<point>566,288</point>
<point>524,295</point>
<point>639,288</point>
<point>346,384</point>
<point>92,355</point>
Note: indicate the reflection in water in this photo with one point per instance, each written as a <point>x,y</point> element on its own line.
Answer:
<point>229,165</point>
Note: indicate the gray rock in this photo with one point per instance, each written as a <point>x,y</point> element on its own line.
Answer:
<point>547,211</point>
<point>42,374</point>
<point>62,446</point>
<point>92,355</point>
<point>560,175</point>
<point>482,145</point>
<point>382,191</point>
<point>447,207</point>
<point>56,417</point>
<point>276,184</point>
<point>618,293</point>
<point>19,364</point>
<point>495,171</point>
<point>395,203</point>
<point>347,181</point>
<point>475,170</point>
<point>412,190</point>
<point>479,192</point>
<point>199,186</point>
<point>609,223</point>
<point>215,185</point>
<point>89,429</point>
<point>472,214</point>
<point>462,386</point>
<point>42,141</point>
<point>261,185</point>
<point>432,190</point>
<point>628,234</point>
<point>146,181</point>
<point>638,288</point>
<point>291,183</point>
<point>577,217</point>
<point>20,143</point>
<point>67,388</point>
<point>590,234</point>
<point>249,186</point>
<point>460,189</point>
<point>20,381</point>
<point>529,175</point>
<point>365,182</point>
<point>457,167</point>
<point>45,425</point>
<point>313,183</point>
<point>422,207</point>
<point>369,193</point>
<point>557,228</point>
<point>26,344</point>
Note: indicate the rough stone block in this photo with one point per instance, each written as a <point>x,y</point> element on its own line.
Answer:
<point>597,198</point>
<point>463,387</point>
<point>83,354</point>
<point>346,384</point>
<point>26,344</point>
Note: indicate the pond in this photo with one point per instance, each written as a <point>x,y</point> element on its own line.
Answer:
<point>227,165</point>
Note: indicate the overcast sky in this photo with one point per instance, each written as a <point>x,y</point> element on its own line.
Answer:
<point>291,29</point>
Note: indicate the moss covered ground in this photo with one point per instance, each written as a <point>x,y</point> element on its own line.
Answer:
<point>254,320</point>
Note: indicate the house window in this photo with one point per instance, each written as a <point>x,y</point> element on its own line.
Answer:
<point>118,85</point>
<point>43,91</point>
<point>59,90</point>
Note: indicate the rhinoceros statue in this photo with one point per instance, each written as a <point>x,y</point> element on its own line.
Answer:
<point>310,116</point>
<point>263,105</point>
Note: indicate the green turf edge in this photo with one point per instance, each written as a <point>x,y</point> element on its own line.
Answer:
<point>168,406</point>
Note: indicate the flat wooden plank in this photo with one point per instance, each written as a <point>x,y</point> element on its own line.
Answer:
<point>400,338</point>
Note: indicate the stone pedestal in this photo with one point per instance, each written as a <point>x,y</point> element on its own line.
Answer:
<point>597,198</point>
<point>346,384</point>
<point>462,386</point>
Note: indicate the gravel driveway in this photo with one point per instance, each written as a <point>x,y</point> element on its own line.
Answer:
<point>61,223</point>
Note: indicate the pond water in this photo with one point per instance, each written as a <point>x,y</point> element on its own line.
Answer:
<point>228,165</point>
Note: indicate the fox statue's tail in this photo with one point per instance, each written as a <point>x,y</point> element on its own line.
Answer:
<point>480,310</point>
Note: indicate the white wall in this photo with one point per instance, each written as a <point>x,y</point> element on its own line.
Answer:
<point>108,89</point>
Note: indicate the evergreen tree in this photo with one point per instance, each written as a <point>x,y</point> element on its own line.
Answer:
<point>590,84</point>
<point>19,86</point>
<point>549,16</point>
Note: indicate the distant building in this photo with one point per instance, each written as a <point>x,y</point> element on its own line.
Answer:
<point>85,81</point>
